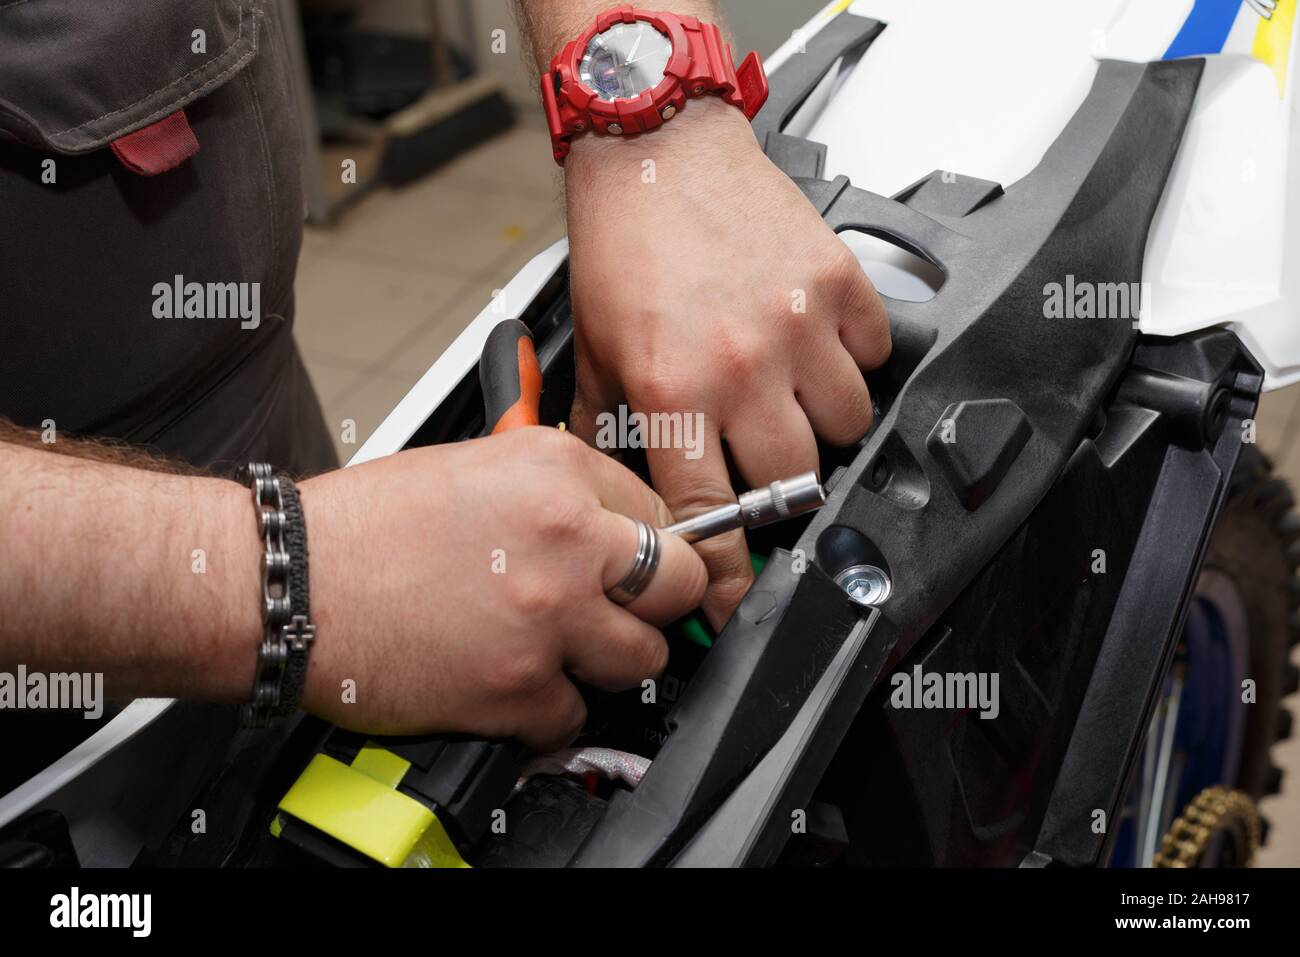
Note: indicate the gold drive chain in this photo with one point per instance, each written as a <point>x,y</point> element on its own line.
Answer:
<point>1189,835</point>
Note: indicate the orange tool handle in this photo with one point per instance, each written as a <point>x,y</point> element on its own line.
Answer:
<point>511,378</point>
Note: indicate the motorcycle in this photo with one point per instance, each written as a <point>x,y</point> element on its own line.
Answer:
<point>1044,618</point>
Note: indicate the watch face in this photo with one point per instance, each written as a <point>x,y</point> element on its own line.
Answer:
<point>625,61</point>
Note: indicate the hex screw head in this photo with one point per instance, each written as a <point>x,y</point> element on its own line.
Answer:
<point>865,584</point>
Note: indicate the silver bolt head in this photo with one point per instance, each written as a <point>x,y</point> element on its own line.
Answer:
<point>614,129</point>
<point>865,584</point>
<point>669,112</point>
<point>698,90</point>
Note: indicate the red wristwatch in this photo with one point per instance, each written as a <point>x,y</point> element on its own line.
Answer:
<point>634,70</point>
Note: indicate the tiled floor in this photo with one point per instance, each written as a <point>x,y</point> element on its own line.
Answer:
<point>383,292</point>
<point>387,288</point>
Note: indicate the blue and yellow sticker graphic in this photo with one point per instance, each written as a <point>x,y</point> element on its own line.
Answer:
<point>1206,30</point>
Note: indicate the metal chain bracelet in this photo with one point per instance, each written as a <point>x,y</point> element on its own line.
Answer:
<point>287,632</point>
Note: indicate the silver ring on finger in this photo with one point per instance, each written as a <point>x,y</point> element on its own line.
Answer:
<point>643,566</point>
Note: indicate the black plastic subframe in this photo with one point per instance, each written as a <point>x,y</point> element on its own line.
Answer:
<point>1022,392</point>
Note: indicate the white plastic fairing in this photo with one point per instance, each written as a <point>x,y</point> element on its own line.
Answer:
<point>1216,248</point>
<point>983,89</point>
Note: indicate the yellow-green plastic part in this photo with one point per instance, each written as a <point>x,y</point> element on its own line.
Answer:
<point>357,806</point>
<point>384,766</point>
<point>435,849</point>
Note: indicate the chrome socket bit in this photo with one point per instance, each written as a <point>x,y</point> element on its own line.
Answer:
<point>777,502</point>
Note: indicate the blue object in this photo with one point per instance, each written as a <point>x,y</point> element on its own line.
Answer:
<point>1205,30</point>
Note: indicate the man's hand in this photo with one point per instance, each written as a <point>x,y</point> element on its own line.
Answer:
<point>460,586</point>
<point>456,587</point>
<point>704,281</point>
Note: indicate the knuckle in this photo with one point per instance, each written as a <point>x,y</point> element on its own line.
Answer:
<point>860,425</point>
<point>855,415</point>
<point>568,720</point>
<point>658,385</point>
<point>654,659</point>
<point>700,495</point>
<point>738,360</point>
<point>644,503</point>
<point>519,676</point>
<point>536,599</point>
<point>563,523</point>
<point>840,275</point>
<point>557,449</point>
<point>661,513</point>
<point>727,563</point>
<point>734,585</point>
<point>856,303</point>
<point>727,593</point>
<point>863,310</point>
<point>881,344</point>
<point>641,656</point>
<point>694,583</point>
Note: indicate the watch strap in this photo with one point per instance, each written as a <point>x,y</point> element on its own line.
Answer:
<point>744,87</point>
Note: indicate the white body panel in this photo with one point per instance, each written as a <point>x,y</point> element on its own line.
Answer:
<point>983,88</point>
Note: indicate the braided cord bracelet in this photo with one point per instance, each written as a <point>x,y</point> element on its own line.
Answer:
<point>287,633</point>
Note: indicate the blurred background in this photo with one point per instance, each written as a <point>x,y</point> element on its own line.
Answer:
<point>455,190</point>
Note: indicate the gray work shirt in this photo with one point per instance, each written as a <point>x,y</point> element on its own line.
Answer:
<point>91,335</point>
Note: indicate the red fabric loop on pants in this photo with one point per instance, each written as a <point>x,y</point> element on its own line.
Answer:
<point>158,148</point>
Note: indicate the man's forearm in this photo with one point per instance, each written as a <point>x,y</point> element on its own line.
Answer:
<point>150,578</point>
<point>550,24</point>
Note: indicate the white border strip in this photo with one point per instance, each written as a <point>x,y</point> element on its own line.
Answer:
<point>129,722</point>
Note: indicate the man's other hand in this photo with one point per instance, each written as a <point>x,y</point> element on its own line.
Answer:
<point>705,282</point>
